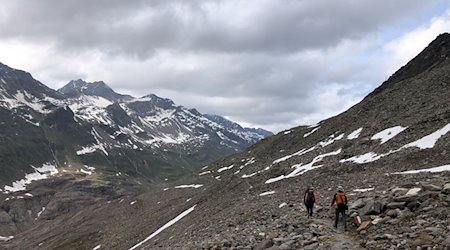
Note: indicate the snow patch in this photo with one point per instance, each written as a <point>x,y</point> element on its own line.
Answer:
<point>225,168</point>
<point>39,174</point>
<point>430,140</point>
<point>362,190</point>
<point>332,138</point>
<point>87,150</point>
<point>267,193</point>
<point>133,202</point>
<point>85,172</point>
<point>40,212</point>
<point>365,158</point>
<point>282,205</point>
<point>190,186</point>
<point>203,173</point>
<point>388,133</point>
<point>355,134</point>
<point>97,247</point>
<point>249,175</point>
<point>6,238</point>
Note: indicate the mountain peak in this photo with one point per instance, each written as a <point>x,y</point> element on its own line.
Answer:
<point>98,88</point>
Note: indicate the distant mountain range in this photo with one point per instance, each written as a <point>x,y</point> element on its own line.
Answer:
<point>89,124</point>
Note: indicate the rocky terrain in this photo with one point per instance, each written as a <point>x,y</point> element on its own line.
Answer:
<point>390,152</point>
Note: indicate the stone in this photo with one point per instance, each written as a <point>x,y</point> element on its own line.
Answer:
<point>372,208</point>
<point>380,237</point>
<point>359,203</point>
<point>364,225</point>
<point>431,187</point>
<point>376,220</point>
<point>312,246</point>
<point>413,206</point>
<point>435,231</point>
<point>400,204</point>
<point>324,238</point>
<point>446,189</point>
<point>413,192</point>
<point>392,213</point>
<point>225,243</point>
<point>447,241</point>
<point>363,233</point>
<point>398,190</point>
<point>264,244</point>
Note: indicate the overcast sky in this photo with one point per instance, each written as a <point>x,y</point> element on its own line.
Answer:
<point>273,64</point>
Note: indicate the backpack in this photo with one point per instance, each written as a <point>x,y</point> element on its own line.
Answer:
<point>340,200</point>
<point>310,197</point>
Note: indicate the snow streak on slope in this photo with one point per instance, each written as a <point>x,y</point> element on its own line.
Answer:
<point>430,140</point>
<point>301,152</point>
<point>311,132</point>
<point>168,224</point>
<point>267,193</point>
<point>190,186</point>
<point>388,134</point>
<point>426,170</point>
<point>225,168</point>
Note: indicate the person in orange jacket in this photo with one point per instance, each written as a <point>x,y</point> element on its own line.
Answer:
<point>340,203</point>
<point>309,199</point>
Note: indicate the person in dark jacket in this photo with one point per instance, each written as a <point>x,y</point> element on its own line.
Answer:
<point>309,199</point>
<point>340,203</point>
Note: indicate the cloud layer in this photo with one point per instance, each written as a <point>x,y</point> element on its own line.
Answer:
<point>269,63</point>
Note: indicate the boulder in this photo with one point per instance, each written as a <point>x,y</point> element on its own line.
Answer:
<point>264,244</point>
<point>376,220</point>
<point>446,189</point>
<point>413,192</point>
<point>392,213</point>
<point>373,207</point>
<point>393,205</point>
<point>359,203</point>
<point>431,187</point>
<point>400,191</point>
<point>413,206</point>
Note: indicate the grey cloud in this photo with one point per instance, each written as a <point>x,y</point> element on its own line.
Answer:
<point>138,28</point>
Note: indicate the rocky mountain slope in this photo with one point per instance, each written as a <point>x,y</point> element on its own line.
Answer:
<point>88,124</point>
<point>390,152</point>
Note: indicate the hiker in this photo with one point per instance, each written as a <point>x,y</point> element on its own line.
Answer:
<point>340,203</point>
<point>309,199</point>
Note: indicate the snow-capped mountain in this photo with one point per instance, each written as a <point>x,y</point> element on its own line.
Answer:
<point>90,124</point>
<point>152,121</point>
